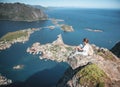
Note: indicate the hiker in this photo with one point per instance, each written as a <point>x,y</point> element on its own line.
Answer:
<point>84,50</point>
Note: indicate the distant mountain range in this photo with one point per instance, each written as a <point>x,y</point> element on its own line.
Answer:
<point>39,7</point>
<point>21,12</point>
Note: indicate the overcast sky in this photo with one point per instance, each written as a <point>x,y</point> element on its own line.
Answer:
<point>71,3</point>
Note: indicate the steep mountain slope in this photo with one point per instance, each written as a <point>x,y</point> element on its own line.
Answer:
<point>116,49</point>
<point>20,12</point>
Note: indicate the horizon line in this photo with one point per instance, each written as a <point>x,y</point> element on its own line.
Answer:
<point>64,6</point>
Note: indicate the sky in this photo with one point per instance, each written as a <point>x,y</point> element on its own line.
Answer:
<point>71,3</point>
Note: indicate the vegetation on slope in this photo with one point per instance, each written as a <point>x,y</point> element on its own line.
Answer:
<point>67,28</point>
<point>14,35</point>
<point>91,76</point>
<point>107,55</point>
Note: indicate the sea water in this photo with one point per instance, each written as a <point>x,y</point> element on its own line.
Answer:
<point>48,72</point>
<point>97,19</point>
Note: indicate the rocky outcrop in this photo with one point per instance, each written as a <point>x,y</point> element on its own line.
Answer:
<point>66,28</point>
<point>103,66</point>
<point>81,76</point>
<point>20,12</point>
<point>116,49</point>
<point>4,81</point>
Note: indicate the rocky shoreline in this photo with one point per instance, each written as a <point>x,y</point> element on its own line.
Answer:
<point>7,43</point>
<point>4,81</point>
<point>51,50</point>
<point>4,44</point>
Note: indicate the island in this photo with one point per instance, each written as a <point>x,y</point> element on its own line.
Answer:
<point>101,69</point>
<point>21,12</point>
<point>18,67</point>
<point>66,28</point>
<point>50,27</point>
<point>93,30</point>
<point>13,37</point>
<point>55,21</point>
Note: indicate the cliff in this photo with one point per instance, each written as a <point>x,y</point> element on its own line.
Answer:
<point>116,49</point>
<point>20,12</point>
<point>101,68</point>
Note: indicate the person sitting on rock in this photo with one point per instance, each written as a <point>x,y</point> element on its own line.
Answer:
<point>84,50</point>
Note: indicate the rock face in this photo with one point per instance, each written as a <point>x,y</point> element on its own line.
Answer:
<point>116,49</point>
<point>102,69</point>
<point>20,12</point>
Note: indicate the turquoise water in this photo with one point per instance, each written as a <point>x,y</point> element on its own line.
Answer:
<point>46,73</point>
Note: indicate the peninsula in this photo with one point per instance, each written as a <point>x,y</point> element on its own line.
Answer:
<point>13,37</point>
<point>101,68</point>
<point>57,50</point>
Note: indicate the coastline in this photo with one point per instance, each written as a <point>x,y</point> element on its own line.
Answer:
<point>22,37</point>
<point>4,81</point>
<point>43,19</point>
<point>56,50</point>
